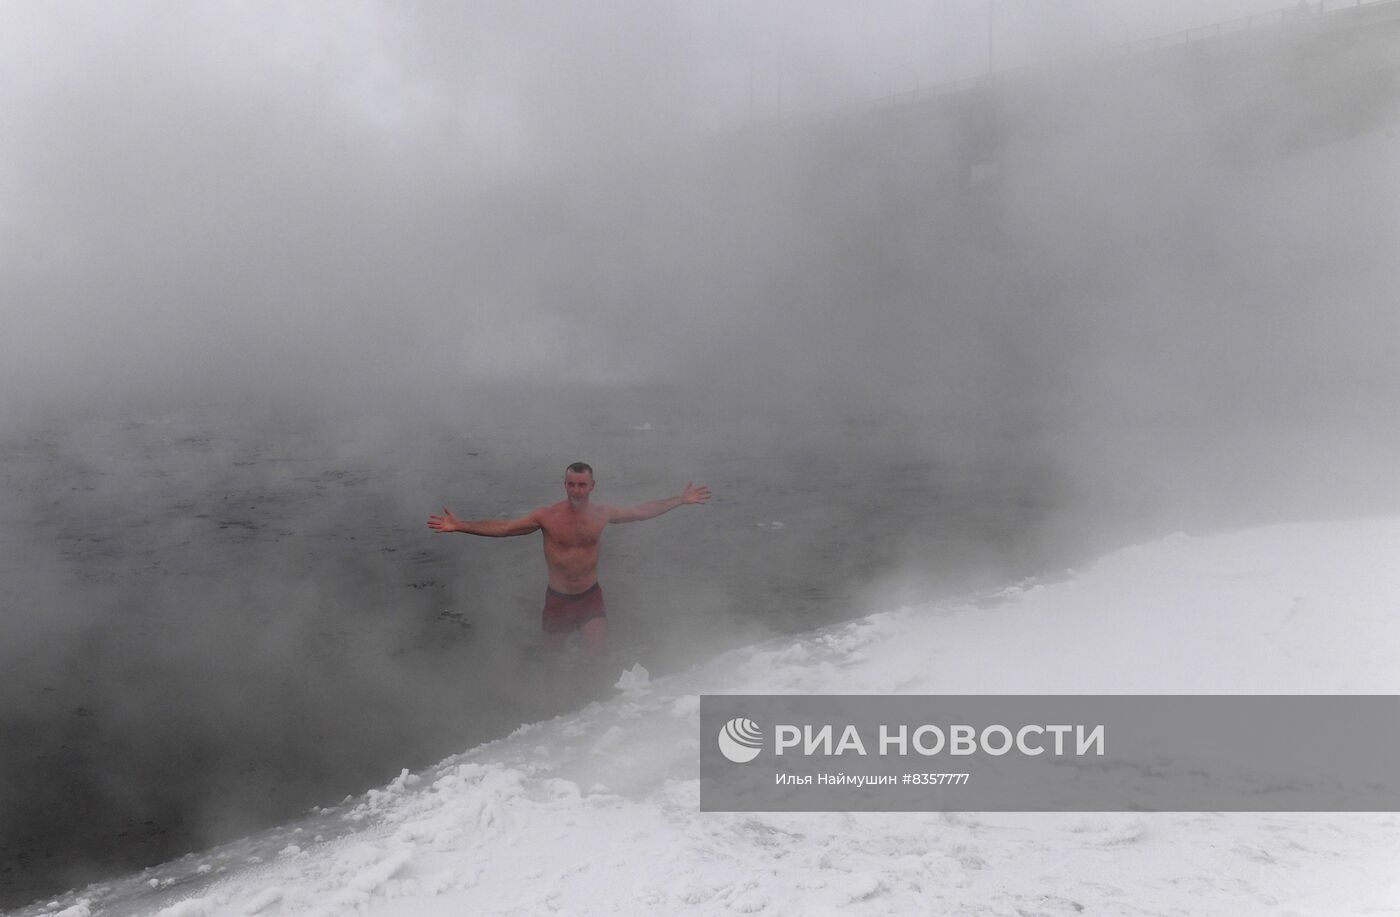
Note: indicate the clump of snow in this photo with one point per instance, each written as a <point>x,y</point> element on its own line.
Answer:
<point>634,679</point>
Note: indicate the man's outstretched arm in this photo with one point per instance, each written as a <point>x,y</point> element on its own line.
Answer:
<point>491,528</point>
<point>654,508</point>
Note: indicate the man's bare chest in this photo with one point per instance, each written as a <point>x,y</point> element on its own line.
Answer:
<point>573,532</point>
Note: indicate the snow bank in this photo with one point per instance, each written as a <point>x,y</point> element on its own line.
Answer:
<point>597,812</point>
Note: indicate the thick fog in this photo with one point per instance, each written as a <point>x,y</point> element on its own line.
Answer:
<point>280,281</point>
<point>387,204</point>
<point>402,195</point>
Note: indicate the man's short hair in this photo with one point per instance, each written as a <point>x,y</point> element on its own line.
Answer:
<point>580,468</point>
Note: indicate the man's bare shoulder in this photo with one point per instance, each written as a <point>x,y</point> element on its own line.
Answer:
<point>552,511</point>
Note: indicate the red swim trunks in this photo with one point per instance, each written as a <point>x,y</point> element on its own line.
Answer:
<point>564,613</point>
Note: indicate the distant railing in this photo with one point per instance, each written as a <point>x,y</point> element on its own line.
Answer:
<point>1286,16</point>
<point>1300,12</point>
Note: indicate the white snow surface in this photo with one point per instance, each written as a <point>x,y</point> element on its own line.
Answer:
<point>596,812</point>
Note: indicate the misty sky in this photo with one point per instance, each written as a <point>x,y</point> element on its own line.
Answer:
<point>198,195</point>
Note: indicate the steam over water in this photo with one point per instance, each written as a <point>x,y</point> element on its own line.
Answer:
<point>278,286</point>
<point>223,615</point>
<point>227,616</point>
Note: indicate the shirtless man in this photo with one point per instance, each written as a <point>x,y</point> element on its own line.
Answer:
<point>572,527</point>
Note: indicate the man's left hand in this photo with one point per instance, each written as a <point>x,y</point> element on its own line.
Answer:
<point>693,494</point>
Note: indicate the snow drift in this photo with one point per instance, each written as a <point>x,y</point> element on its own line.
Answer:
<point>597,811</point>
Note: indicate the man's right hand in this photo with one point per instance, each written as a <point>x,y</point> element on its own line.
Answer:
<point>445,523</point>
